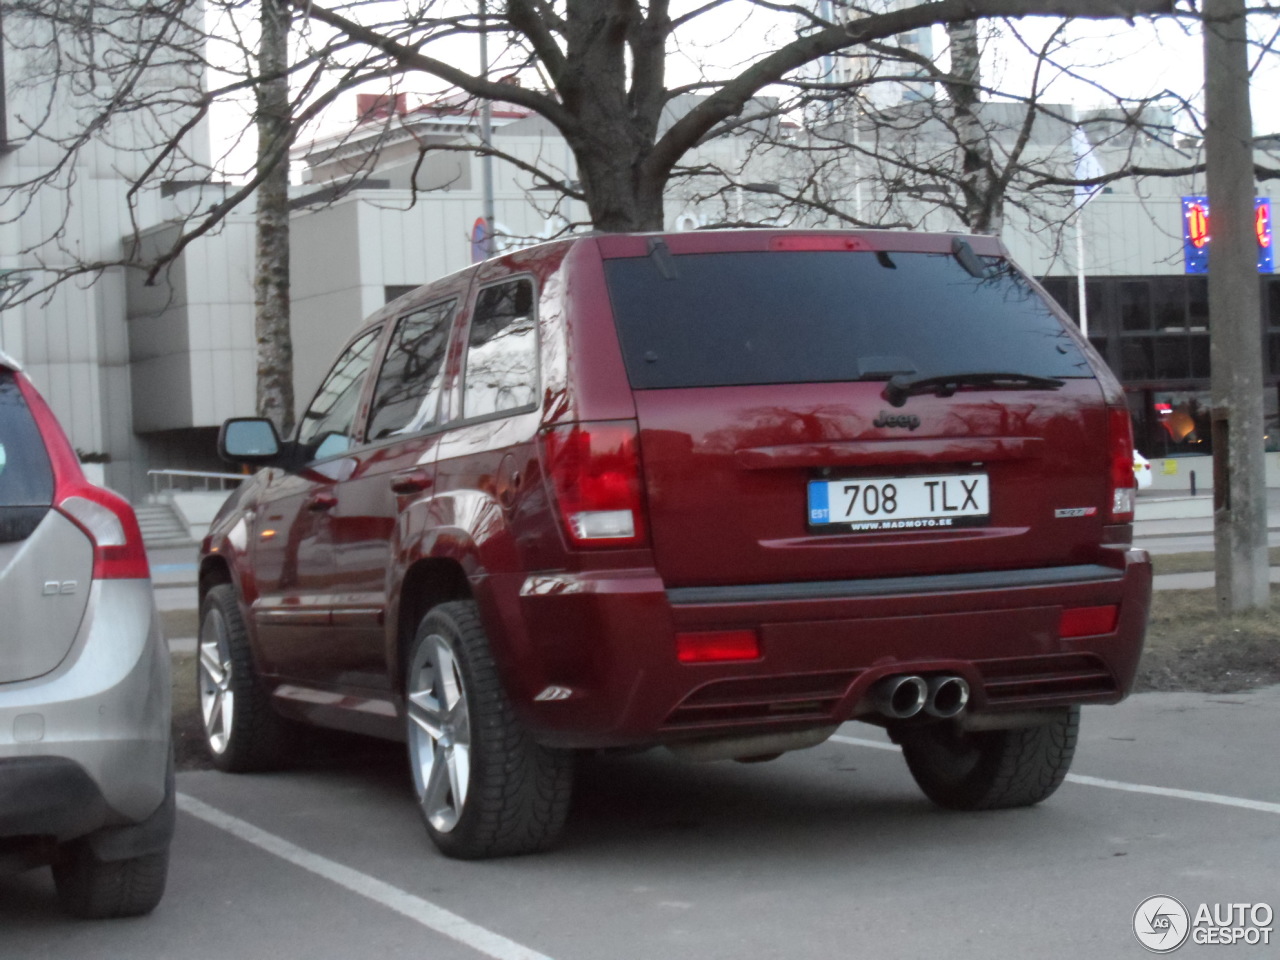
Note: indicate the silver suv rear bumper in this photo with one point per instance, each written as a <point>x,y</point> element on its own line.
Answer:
<point>92,735</point>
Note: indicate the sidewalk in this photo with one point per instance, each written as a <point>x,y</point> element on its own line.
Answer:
<point>1163,514</point>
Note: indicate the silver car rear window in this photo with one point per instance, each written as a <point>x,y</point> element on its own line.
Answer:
<point>26,478</point>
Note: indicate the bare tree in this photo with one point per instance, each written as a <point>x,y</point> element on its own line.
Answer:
<point>604,65</point>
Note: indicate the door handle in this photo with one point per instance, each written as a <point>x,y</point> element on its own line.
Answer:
<point>322,501</point>
<point>411,481</point>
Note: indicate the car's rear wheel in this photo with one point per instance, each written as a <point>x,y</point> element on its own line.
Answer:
<point>484,787</point>
<point>104,889</point>
<point>991,769</point>
<point>242,731</point>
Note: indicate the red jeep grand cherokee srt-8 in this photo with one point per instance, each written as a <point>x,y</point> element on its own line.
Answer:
<point>717,491</point>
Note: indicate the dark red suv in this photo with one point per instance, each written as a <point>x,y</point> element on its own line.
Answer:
<point>717,491</point>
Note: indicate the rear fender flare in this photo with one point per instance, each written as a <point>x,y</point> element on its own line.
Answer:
<point>454,550</point>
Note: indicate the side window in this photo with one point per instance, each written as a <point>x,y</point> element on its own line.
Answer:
<point>327,424</point>
<point>502,351</point>
<point>407,395</point>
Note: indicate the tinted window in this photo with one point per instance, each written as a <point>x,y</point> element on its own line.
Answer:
<point>327,424</point>
<point>1135,305</point>
<point>1168,301</point>
<point>407,395</point>
<point>502,351</point>
<point>784,317</point>
<point>26,479</point>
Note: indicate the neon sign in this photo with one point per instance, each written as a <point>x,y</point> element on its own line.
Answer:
<point>1197,234</point>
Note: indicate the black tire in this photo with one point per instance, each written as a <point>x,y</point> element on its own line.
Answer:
<point>105,889</point>
<point>994,769</point>
<point>257,738</point>
<point>483,786</point>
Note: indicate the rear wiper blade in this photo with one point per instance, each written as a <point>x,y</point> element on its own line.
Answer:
<point>902,386</point>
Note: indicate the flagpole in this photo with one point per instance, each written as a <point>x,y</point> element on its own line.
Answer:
<point>1086,168</point>
<point>1080,287</point>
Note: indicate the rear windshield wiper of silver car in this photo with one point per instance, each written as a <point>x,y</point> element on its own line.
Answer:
<point>902,386</point>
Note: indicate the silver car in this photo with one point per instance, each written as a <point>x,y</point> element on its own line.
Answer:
<point>86,770</point>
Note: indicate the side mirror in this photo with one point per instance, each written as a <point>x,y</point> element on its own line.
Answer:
<point>249,440</point>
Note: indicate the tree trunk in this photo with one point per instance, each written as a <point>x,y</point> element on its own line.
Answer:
<point>271,266</point>
<point>1239,485</point>
<point>982,200</point>
<point>620,196</point>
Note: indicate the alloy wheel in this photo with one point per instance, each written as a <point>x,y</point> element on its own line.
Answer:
<point>439,733</point>
<point>217,699</point>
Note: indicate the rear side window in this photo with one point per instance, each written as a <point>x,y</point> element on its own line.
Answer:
<point>794,317</point>
<point>502,351</point>
<point>407,395</point>
<point>26,478</point>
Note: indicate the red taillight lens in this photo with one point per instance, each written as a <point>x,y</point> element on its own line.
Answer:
<point>1088,621</point>
<point>106,518</point>
<point>1120,452</point>
<point>715,646</point>
<point>594,470</point>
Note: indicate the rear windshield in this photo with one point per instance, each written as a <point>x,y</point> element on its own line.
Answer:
<point>26,479</point>
<point>721,319</point>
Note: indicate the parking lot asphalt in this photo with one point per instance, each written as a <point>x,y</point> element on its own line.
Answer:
<point>825,852</point>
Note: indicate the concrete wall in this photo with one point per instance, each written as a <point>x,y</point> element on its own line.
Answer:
<point>74,342</point>
<point>345,254</point>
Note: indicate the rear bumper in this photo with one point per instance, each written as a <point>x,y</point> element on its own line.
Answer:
<point>599,648</point>
<point>87,746</point>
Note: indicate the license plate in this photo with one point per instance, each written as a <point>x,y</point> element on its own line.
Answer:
<point>899,503</point>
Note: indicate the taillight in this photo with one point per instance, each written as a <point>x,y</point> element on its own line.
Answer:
<point>594,469</point>
<point>1120,453</point>
<point>118,551</point>
<point>106,518</point>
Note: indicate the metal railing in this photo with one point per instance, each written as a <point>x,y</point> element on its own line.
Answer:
<point>182,481</point>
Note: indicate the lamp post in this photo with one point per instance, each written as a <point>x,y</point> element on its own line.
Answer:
<point>486,133</point>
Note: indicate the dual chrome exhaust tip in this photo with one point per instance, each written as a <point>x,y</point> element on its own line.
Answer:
<point>903,696</point>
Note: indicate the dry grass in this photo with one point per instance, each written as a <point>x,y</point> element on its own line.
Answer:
<point>180,623</point>
<point>188,726</point>
<point>1189,647</point>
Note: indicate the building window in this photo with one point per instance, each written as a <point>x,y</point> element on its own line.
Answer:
<point>396,291</point>
<point>1135,306</point>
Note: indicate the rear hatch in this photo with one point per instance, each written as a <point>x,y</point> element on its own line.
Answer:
<point>46,562</point>
<point>793,426</point>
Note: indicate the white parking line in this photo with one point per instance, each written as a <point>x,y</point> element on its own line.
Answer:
<point>406,904</point>
<point>1262,806</point>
